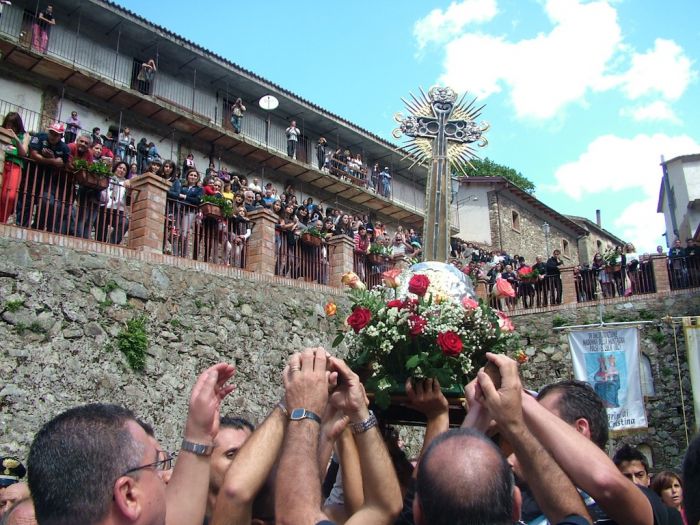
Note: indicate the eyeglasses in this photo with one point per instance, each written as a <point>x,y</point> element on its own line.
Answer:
<point>166,463</point>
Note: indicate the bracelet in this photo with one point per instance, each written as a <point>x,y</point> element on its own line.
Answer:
<point>363,426</point>
<point>197,448</point>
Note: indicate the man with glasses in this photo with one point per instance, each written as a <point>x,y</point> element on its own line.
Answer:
<point>95,464</point>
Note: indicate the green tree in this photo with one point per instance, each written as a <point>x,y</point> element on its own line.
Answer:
<point>488,168</point>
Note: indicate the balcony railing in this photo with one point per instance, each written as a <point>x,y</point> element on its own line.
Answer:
<point>107,60</point>
<point>369,267</point>
<point>299,256</point>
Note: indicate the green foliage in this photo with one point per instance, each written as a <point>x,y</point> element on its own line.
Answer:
<point>132,341</point>
<point>176,323</point>
<point>198,303</point>
<point>98,168</point>
<point>225,204</point>
<point>313,231</point>
<point>379,249</point>
<point>109,287</point>
<point>558,321</point>
<point>14,306</point>
<point>658,338</point>
<point>488,168</point>
<point>646,315</point>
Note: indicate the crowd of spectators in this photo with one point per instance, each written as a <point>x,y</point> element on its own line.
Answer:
<point>322,457</point>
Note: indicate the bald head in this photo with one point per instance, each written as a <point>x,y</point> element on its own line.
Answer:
<point>464,479</point>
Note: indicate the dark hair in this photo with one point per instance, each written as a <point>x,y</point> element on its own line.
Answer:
<point>238,423</point>
<point>468,494</point>
<point>74,461</point>
<point>663,480</point>
<point>579,400</point>
<point>629,453</point>
<point>13,121</point>
<point>173,174</point>
<point>691,481</point>
<point>117,164</point>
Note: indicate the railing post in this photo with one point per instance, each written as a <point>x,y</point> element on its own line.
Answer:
<point>568,284</point>
<point>146,231</point>
<point>482,291</point>
<point>340,258</point>
<point>660,267</point>
<point>261,244</point>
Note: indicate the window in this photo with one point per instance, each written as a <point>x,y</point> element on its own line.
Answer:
<point>599,245</point>
<point>646,376</point>
<point>516,221</point>
<point>565,248</point>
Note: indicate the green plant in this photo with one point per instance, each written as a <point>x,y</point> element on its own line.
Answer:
<point>198,303</point>
<point>558,321</point>
<point>80,164</point>
<point>100,169</point>
<point>20,328</point>
<point>132,341</point>
<point>36,328</point>
<point>646,315</point>
<point>176,323</point>
<point>378,249</point>
<point>611,257</point>
<point>110,286</point>
<point>313,231</point>
<point>13,306</point>
<point>224,204</point>
<point>658,338</point>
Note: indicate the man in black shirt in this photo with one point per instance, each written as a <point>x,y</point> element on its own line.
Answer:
<point>553,278</point>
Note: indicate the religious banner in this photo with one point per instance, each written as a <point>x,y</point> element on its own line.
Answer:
<point>608,360</point>
<point>691,330</point>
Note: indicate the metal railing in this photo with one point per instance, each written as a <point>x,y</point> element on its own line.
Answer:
<point>46,198</point>
<point>369,267</point>
<point>301,257</point>
<point>683,272</point>
<point>192,234</point>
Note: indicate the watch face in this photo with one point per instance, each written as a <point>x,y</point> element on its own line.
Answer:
<point>298,413</point>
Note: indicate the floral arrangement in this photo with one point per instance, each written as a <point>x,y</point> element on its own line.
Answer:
<point>98,168</point>
<point>530,276</point>
<point>313,231</point>
<point>378,249</point>
<point>225,204</point>
<point>611,257</point>
<point>415,325</point>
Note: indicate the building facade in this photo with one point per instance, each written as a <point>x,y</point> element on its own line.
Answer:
<point>679,198</point>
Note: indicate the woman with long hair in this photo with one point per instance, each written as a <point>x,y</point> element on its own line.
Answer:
<point>185,197</point>
<point>14,163</point>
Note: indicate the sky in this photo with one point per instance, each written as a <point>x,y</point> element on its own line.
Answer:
<point>583,97</point>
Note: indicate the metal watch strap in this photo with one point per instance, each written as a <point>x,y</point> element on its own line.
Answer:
<point>364,425</point>
<point>197,448</point>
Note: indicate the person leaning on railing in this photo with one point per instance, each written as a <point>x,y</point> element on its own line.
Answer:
<point>184,198</point>
<point>112,215</point>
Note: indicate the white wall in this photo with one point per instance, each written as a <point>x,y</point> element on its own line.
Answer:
<point>473,206</point>
<point>16,96</point>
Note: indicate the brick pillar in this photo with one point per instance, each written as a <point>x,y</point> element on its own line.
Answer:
<point>568,285</point>
<point>261,255</point>
<point>147,221</point>
<point>340,258</point>
<point>659,265</point>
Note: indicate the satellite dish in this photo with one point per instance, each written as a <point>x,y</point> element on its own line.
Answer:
<point>268,102</point>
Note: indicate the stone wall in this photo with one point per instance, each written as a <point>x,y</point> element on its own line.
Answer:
<point>525,237</point>
<point>61,310</point>
<point>550,361</point>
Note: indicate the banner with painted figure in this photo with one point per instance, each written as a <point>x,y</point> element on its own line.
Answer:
<point>608,360</point>
<point>691,329</point>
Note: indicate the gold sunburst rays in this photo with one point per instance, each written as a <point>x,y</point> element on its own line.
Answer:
<point>460,151</point>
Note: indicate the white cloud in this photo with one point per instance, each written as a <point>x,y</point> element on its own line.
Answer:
<point>664,70</point>
<point>583,53</point>
<point>656,111</point>
<point>439,26</point>
<point>613,163</point>
<point>544,73</point>
<point>639,224</point>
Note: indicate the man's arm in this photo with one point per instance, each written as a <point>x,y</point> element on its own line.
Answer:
<point>186,494</point>
<point>298,490</point>
<point>382,493</point>
<point>553,490</point>
<point>588,466</point>
<point>249,471</point>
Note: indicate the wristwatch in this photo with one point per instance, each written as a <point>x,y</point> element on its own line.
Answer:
<point>197,448</point>
<point>364,425</point>
<point>301,413</point>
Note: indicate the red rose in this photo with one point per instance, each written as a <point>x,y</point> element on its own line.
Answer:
<point>396,303</point>
<point>418,285</point>
<point>416,324</point>
<point>450,343</point>
<point>359,318</point>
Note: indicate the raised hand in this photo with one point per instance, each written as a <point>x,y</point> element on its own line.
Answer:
<point>426,397</point>
<point>349,396</point>
<point>205,402</point>
<point>306,380</point>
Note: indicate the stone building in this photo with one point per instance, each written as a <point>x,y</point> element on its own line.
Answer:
<point>497,214</point>
<point>679,198</point>
<point>597,238</point>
